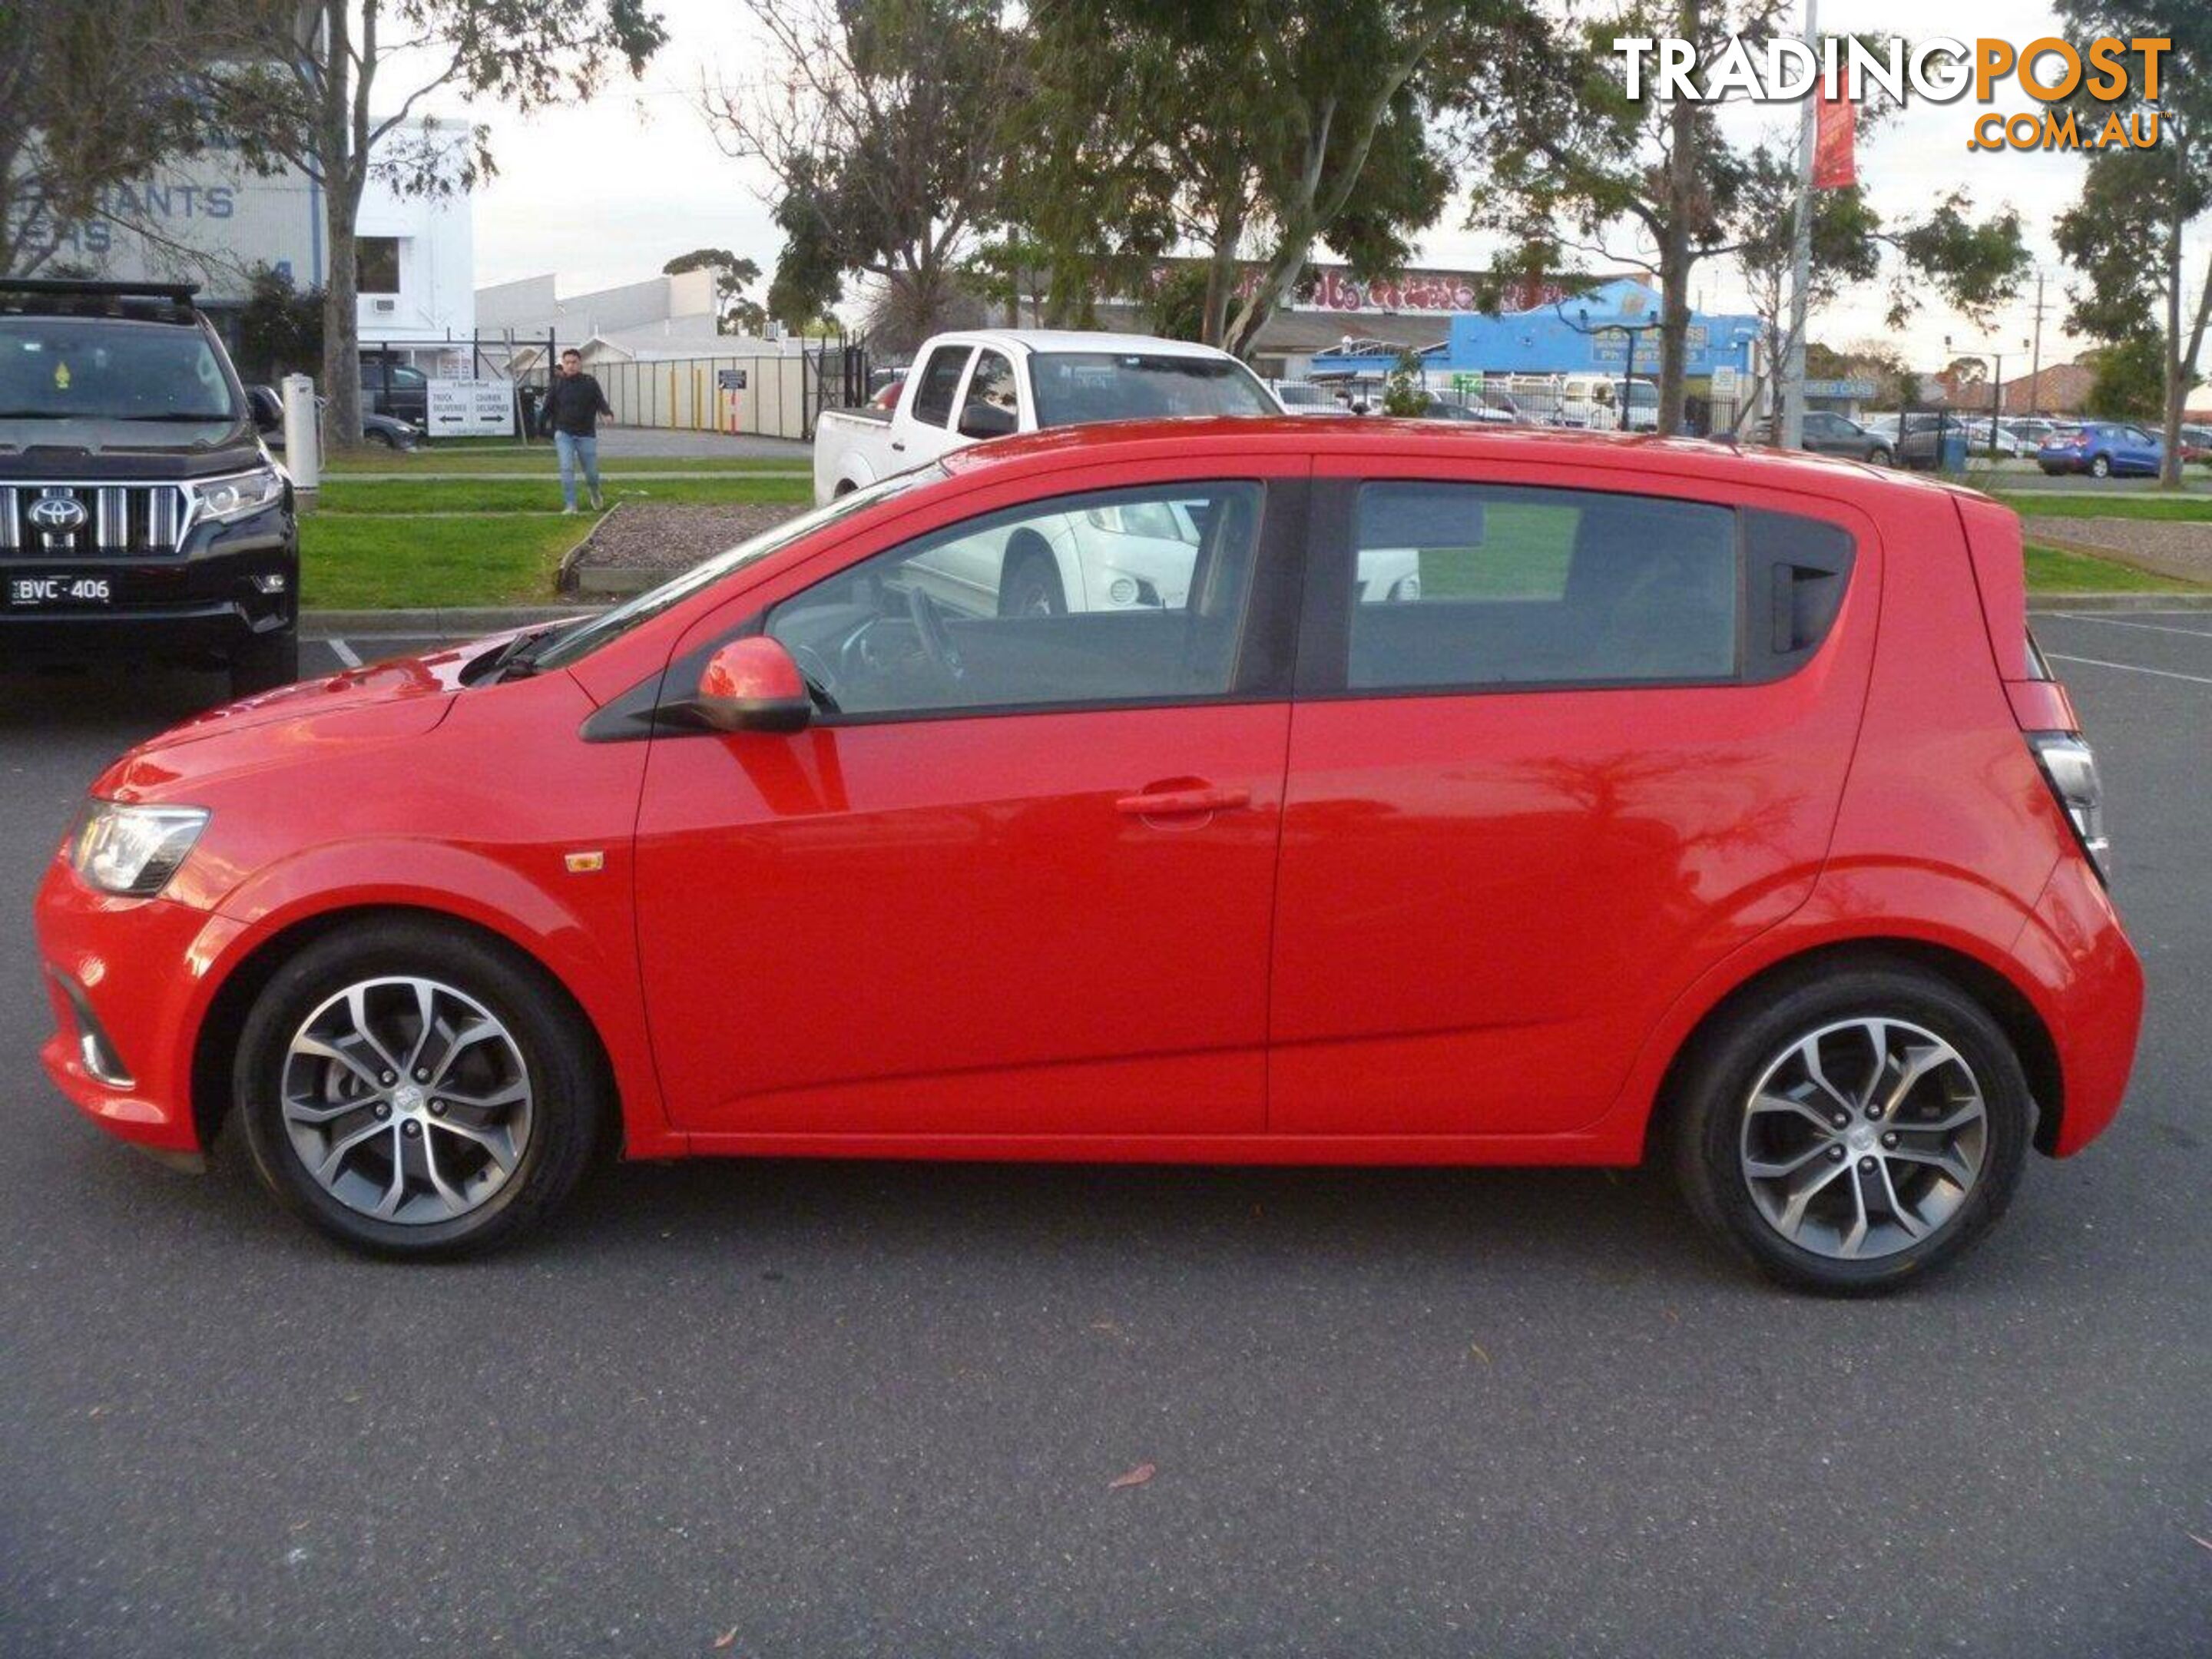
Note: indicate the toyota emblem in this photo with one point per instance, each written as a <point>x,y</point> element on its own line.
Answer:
<point>58,513</point>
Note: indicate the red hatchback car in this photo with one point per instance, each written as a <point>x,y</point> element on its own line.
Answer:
<point>1687,801</point>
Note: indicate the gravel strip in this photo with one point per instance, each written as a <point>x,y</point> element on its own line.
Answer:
<point>2160,546</point>
<point>644,536</point>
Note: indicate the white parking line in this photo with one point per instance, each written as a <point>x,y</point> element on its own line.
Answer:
<point>2154,627</point>
<point>2133,668</point>
<point>343,653</point>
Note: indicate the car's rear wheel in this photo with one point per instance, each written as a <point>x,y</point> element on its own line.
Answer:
<point>413,1089</point>
<point>1852,1131</point>
<point>2101,466</point>
<point>267,662</point>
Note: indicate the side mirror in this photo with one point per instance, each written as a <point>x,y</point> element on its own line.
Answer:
<point>268,411</point>
<point>753,684</point>
<point>981,420</point>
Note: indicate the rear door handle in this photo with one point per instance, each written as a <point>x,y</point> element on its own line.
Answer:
<point>899,443</point>
<point>1182,803</point>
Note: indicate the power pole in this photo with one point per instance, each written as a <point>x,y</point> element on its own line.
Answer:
<point>1801,259</point>
<point>2035,359</point>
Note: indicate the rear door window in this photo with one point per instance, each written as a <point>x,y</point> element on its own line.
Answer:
<point>1462,586</point>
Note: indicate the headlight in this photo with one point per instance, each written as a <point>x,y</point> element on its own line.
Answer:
<point>240,494</point>
<point>134,850</point>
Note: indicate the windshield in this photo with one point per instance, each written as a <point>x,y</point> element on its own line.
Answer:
<point>581,639</point>
<point>99,370</point>
<point>1074,388</point>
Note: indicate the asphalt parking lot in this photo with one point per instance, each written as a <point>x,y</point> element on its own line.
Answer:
<point>847,1409</point>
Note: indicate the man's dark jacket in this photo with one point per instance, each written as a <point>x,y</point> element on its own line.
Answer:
<point>574,404</point>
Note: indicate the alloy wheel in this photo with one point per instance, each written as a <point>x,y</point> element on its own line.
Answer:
<point>1861,1138</point>
<point>406,1100</point>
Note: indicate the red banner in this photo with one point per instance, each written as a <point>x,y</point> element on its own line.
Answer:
<point>1835,165</point>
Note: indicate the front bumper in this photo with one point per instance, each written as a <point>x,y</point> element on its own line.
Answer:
<point>140,969</point>
<point>203,606</point>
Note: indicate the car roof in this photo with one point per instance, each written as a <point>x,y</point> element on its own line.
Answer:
<point>1029,340</point>
<point>1282,435</point>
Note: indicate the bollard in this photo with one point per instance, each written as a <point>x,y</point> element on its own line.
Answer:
<point>303,443</point>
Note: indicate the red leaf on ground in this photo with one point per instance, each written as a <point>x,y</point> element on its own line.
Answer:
<point>727,1638</point>
<point>1136,1477</point>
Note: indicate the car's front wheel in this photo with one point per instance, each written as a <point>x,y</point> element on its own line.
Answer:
<point>1031,585</point>
<point>414,1089</point>
<point>1880,457</point>
<point>1853,1130</point>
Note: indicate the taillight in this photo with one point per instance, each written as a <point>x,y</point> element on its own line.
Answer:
<point>2081,441</point>
<point>2070,769</point>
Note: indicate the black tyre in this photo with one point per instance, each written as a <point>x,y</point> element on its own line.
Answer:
<point>268,661</point>
<point>1881,457</point>
<point>2101,466</point>
<point>1029,586</point>
<point>1851,1130</point>
<point>416,1090</point>
<point>379,436</point>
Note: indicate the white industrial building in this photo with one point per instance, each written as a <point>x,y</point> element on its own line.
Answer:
<point>662,319</point>
<point>209,220</point>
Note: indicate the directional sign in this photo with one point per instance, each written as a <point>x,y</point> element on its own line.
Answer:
<point>471,409</point>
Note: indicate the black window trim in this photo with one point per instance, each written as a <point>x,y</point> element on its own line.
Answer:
<point>1324,645</point>
<point>1266,640</point>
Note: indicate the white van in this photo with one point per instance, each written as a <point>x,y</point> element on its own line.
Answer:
<point>1596,398</point>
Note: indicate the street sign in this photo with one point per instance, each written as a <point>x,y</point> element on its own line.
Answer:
<point>730,379</point>
<point>1724,381</point>
<point>471,409</point>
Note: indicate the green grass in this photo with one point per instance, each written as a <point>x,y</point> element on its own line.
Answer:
<point>543,495</point>
<point>374,562</point>
<point>2051,571</point>
<point>1523,556</point>
<point>536,460</point>
<point>2186,509</point>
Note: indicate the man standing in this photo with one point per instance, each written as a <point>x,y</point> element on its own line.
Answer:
<point>574,404</point>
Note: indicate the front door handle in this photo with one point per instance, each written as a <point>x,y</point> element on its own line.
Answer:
<point>1182,803</point>
<point>899,443</point>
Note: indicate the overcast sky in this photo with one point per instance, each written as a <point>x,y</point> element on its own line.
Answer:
<point>606,193</point>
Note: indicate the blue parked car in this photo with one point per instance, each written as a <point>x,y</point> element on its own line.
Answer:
<point>2103,449</point>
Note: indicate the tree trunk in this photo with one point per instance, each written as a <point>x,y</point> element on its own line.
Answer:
<point>344,173</point>
<point>341,325</point>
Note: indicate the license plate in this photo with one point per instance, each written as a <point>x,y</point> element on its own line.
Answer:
<point>60,590</point>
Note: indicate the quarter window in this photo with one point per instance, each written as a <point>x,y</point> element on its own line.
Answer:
<point>1132,596</point>
<point>939,382</point>
<point>1472,585</point>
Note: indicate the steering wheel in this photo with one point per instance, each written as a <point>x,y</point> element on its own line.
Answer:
<point>936,639</point>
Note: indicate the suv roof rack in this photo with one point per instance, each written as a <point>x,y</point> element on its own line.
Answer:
<point>182,292</point>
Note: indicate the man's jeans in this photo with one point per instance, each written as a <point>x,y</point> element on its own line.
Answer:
<point>572,449</point>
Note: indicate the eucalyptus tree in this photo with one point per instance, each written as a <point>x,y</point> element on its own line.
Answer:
<point>331,88</point>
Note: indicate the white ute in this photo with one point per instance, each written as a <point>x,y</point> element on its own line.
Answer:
<point>969,387</point>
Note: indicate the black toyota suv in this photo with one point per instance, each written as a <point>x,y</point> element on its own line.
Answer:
<point>140,515</point>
